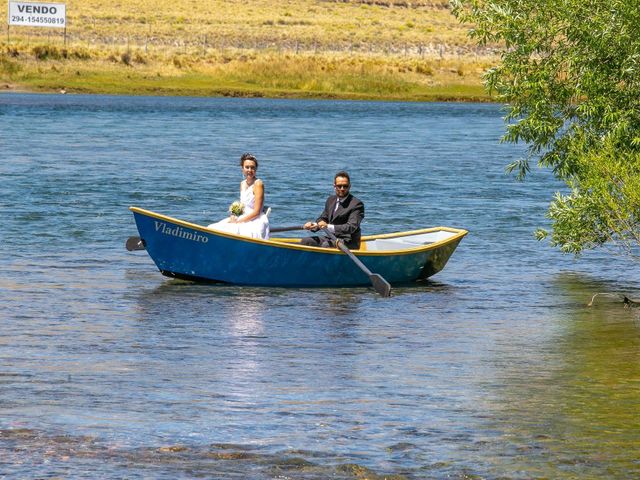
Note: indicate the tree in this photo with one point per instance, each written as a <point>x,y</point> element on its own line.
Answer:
<point>569,75</point>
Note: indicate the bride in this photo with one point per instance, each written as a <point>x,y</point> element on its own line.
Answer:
<point>252,222</point>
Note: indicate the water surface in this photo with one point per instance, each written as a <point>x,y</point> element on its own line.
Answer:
<point>496,368</point>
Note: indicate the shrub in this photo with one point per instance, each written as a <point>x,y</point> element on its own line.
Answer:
<point>46,52</point>
<point>139,58</point>
<point>9,66</point>
<point>126,58</point>
<point>81,54</point>
<point>424,69</point>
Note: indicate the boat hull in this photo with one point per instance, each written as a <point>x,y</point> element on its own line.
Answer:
<point>189,251</point>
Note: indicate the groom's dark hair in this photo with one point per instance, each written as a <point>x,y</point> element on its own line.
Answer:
<point>344,174</point>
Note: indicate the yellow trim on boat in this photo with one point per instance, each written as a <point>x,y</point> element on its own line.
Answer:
<point>293,243</point>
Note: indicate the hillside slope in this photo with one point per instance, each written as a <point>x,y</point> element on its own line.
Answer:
<point>379,49</point>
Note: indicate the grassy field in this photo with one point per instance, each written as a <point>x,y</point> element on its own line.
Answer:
<point>368,49</point>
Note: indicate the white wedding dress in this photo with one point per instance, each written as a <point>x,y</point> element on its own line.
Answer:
<point>255,228</point>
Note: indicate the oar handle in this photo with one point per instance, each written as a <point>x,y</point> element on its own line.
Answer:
<point>285,229</point>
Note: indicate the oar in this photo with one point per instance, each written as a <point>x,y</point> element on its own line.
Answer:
<point>380,285</point>
<point>134,243</point>
<point>285,229</point>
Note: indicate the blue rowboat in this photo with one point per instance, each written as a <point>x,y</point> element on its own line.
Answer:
<point>193,252</point>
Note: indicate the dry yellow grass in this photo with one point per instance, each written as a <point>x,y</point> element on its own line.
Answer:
<point>369,48</point>
<point>314,24</point>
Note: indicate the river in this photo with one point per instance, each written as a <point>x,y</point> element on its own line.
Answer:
<point>495,368</point>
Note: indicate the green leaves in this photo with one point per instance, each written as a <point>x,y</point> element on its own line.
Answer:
<point>603,206</point>
<point>569,78</point>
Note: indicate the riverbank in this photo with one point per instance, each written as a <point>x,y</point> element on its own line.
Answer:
<point>383,50</point>
<point>241,73</point>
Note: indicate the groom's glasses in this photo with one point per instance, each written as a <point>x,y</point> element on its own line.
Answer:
<point>342,187</point>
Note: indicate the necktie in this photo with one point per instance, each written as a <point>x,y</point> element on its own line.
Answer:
<point>335,209</point>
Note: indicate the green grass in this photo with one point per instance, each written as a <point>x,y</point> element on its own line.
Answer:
<point>197,84</point>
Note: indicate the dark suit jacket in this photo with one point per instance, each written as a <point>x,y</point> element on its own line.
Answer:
<point>346,219</point>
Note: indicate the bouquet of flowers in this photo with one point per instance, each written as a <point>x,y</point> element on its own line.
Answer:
<point>236,208</point>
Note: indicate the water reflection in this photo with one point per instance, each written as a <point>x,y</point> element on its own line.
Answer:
<point>244,307</point>
<point>570,409</point>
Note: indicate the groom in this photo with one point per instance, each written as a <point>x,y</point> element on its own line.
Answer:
<point>342,215</point>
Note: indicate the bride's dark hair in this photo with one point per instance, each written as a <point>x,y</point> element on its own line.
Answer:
<point>248,156</point>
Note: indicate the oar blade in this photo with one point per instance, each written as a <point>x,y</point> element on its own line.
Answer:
<point>380,285</point>
<point>134,243</point>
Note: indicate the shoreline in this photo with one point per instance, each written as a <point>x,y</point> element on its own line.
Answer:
<point>19,89</point>
<point>444,93</point>
<point>244,74</point>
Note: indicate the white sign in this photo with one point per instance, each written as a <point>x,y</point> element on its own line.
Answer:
<point>38,14</point>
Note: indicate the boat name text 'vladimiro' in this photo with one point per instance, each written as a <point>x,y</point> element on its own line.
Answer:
<point>179,232</point>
